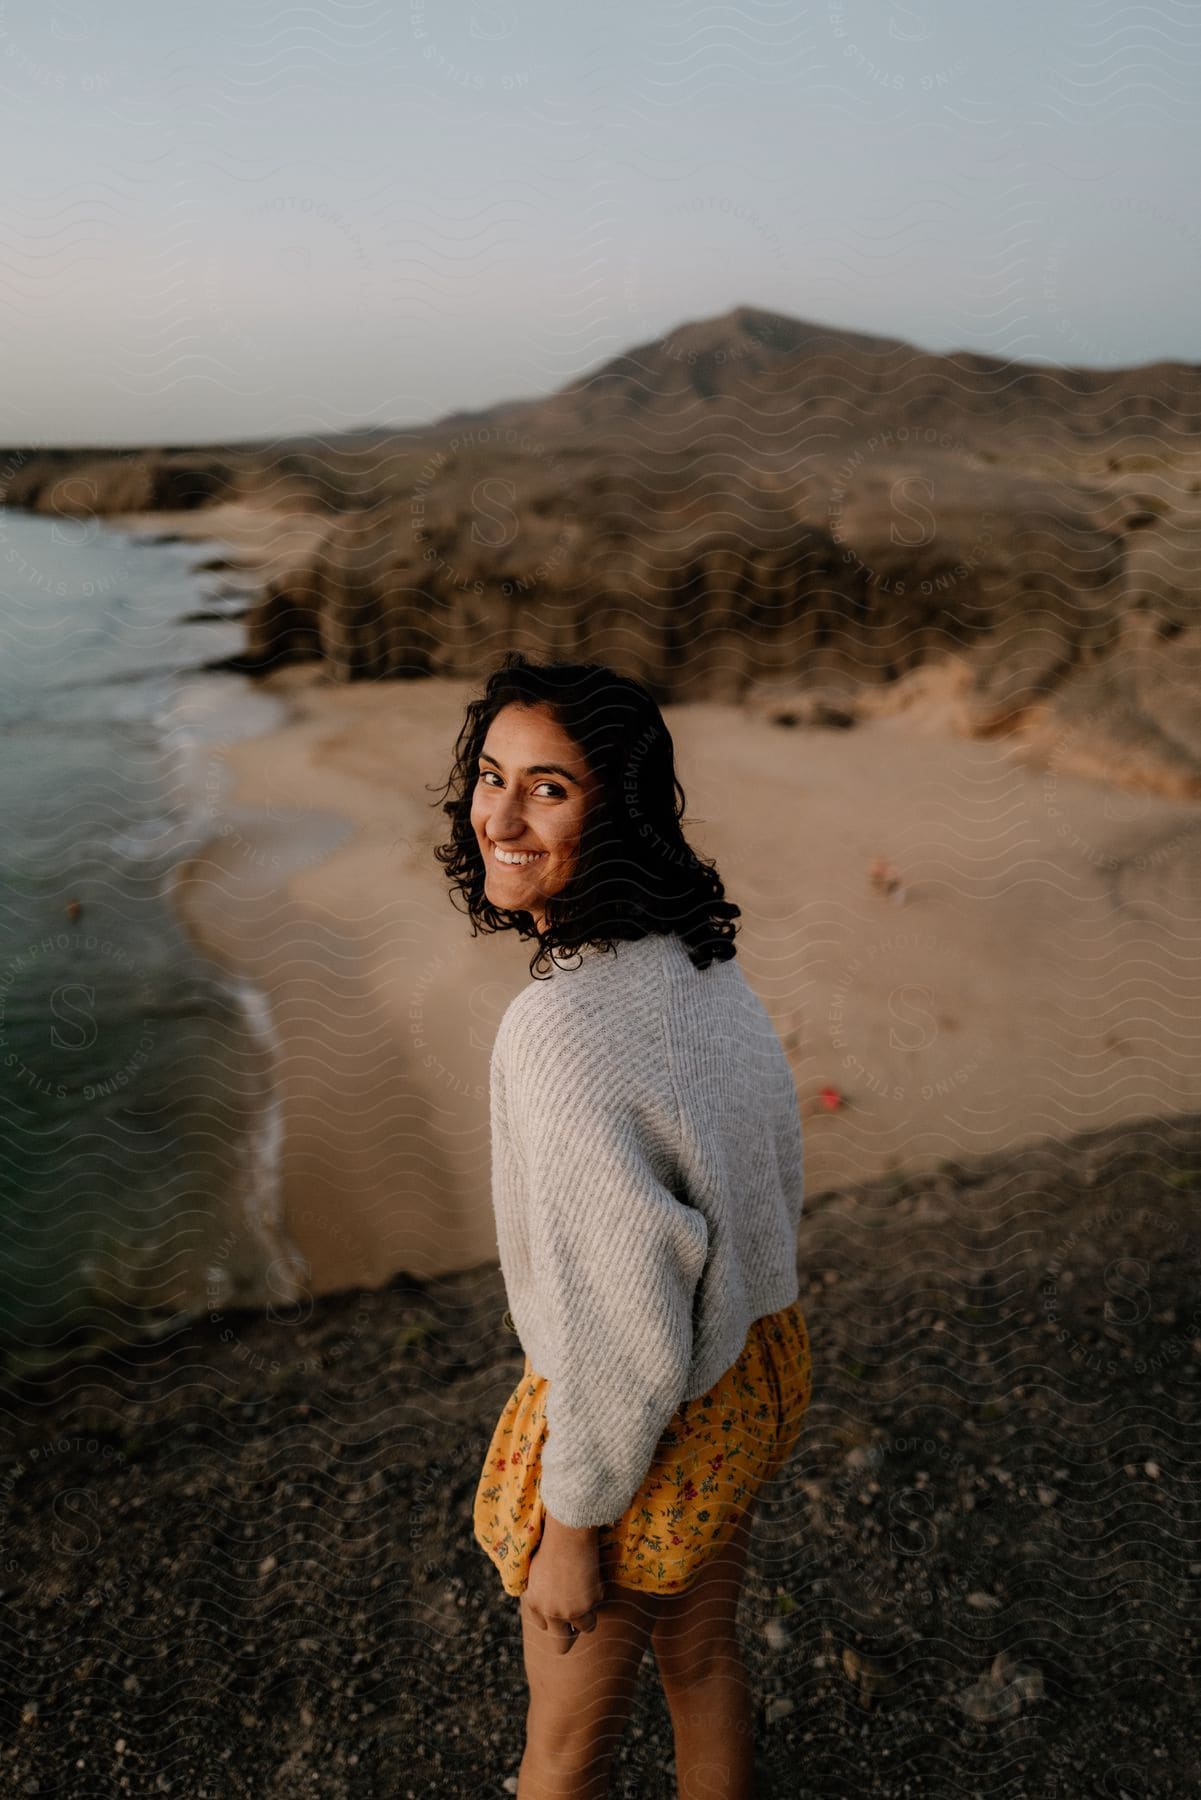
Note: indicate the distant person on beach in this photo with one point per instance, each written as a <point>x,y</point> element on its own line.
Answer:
<point>647,1186</point>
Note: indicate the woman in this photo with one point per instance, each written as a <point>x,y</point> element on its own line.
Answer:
<point>647,1182</point>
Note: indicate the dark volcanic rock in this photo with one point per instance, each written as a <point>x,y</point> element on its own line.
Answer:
<point>239,1561</point>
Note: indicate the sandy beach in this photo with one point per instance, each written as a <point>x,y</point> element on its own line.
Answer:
<point>1029,971</point>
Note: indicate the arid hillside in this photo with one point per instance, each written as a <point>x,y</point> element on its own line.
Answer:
<point>753,504</point>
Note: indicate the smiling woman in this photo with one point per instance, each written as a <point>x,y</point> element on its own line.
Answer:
<point>528,819</point>
<point>565,815</point>
<point>647,1187</point>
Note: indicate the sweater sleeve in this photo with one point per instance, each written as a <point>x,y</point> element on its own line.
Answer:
<point>616,1259</point>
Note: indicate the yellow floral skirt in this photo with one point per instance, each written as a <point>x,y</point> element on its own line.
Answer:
<point>715,1454</point>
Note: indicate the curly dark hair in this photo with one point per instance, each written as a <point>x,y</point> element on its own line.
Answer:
<point>635,874</point>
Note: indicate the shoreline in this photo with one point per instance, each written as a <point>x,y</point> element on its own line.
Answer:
<point>111,1291</point>
<point>259,538</point>
<point>251,540</point>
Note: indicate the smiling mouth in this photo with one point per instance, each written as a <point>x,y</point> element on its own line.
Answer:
<point>524,859</point>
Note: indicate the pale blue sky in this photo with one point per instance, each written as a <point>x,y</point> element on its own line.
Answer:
<point>237,219</point>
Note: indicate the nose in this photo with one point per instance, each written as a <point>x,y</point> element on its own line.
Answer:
<point>504,819</point>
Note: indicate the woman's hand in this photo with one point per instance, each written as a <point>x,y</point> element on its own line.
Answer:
<point>564,1586</point>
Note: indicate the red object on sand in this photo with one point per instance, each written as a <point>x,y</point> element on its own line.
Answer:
<point>830,1098</point>
<point>884,875</point>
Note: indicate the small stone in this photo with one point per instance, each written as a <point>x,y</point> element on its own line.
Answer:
<point>984,1702</point>
<point>1151,1469</point>
<point>776,1633</point>
<point>509,1784</point>
<point>983,1602</point>
<point>267,1565</point>
<point>1029,1686</point>
<point>779,1708</point>
<point>870,1676</point>
<point>1024,1679</point>
<point>1046,1496</point>
<point>1000,1693</point>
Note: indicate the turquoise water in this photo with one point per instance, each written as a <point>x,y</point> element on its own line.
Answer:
<point>135,1088</point>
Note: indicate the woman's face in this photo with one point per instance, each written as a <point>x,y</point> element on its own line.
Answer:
<point>532,792</point>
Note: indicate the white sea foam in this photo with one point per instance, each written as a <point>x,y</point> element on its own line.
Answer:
<point>263,1191</point>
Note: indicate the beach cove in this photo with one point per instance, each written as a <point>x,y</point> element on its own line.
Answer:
<point>1030,978</point>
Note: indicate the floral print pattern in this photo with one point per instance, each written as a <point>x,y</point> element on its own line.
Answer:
<point>715,1454</point>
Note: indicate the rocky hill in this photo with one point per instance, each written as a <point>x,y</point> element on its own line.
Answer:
<point>754,502</point>
<point>781,377</point>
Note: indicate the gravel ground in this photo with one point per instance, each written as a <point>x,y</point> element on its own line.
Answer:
<point>239,1561</point>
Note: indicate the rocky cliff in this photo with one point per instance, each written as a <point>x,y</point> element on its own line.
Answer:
<point>755,502</point>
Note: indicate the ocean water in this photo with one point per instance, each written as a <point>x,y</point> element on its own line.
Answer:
<point>138,1127</point>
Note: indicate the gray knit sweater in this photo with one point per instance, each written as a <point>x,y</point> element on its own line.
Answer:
<point>647,1185</point>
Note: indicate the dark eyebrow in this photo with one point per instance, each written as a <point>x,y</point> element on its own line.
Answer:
<point>537,769</point>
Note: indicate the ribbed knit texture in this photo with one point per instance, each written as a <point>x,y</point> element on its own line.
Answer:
<point>647,1182</point>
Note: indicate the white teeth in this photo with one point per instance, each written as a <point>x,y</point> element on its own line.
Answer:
<point>515,861</point>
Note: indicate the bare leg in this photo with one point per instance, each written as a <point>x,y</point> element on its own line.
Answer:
<point>705,1681</point>
<point>714,1730</point>
<point>580,1702</point>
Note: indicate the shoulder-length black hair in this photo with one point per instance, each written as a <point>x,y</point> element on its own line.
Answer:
<point>635,874</point>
